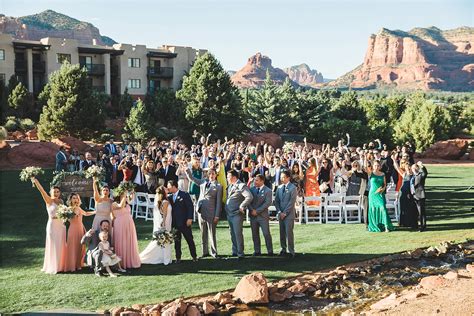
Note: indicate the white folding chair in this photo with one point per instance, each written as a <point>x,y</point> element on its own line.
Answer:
<point>299,210</point>
<point>133,206</point>
<point>92,203</point>
<point>272,212</point>
<point>150,207</point>
<point>333,208</point>
<point>352,209</point>
<point>313,213</point>
<point>391,203</point>
<point>141,210</point>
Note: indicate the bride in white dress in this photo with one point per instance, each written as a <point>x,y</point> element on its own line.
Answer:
<point>153,253</point>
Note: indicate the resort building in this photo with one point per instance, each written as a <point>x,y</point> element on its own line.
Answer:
<point>110,69</point>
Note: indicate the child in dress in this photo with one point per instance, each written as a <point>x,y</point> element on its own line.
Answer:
<point>109,258</point>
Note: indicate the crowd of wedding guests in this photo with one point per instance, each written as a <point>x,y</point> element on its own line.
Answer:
<point>223,177</point>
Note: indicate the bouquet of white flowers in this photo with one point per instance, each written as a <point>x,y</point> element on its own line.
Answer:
<point>95,171</point>
<point>65,213</point>
<point>128,186</point>
<point>163,237</point>
<point>30,172</point>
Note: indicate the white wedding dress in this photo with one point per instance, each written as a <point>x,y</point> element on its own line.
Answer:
<point>154,254</point>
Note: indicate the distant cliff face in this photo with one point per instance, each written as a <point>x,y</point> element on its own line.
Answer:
<point>52,24</point>
<point>304,76</point>
<point>253,74</point>
<point>424,58</point>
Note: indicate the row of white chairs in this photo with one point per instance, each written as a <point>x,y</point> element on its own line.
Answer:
<point>333,208</point>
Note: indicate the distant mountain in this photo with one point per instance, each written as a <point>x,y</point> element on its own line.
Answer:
<point>423,58</point>
<point>304,75</point>
<point>231,72</point>
<point>253,74</point>
<point>50,23</point>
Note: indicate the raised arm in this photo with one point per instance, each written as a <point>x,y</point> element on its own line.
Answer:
<point>192,178</point>
<point>96,190</point>
<point>395,164</point>
<point>47,199</point>
<point>86,213</point>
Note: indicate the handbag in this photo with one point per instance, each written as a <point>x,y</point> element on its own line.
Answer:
<point>323,187</point>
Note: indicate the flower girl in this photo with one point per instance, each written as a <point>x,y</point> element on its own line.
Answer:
<point>109,258</point>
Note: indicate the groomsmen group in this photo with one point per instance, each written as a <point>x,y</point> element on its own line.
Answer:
<point>239,199</point>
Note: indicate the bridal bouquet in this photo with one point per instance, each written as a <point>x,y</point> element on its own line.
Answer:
<point>128,186</point>
<point>65,213</point>
<point>163,237</point>
<point>95,171</point>
<point>30,172</point>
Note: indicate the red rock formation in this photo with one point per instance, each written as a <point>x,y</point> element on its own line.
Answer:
<point>420,59</point>
<point>451,149</point>
<point>253,74</point>
<point>304,76</point>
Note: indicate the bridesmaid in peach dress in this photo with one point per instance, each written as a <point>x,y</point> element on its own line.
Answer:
<point>311,187</point>
<point>125,234</point>
<point>55,247</point>
<point>75,250</point>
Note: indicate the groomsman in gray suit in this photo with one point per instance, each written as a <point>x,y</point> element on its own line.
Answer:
<point>285,201</point>
<point>238,199</point>
<point>208,206</point>
<point>259,218</point>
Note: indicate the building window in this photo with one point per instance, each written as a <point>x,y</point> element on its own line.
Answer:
<point>2,54</point>
<point>134,62</point>
<point>61,58</point>
<point>134,83</point>
<point>2,79</point>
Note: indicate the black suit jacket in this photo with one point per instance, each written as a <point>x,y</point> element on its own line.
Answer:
<point>182,209</point>
<point>171,175</point>
<point>419,184</point>
<point>85,165</point>
<point>135,172</point>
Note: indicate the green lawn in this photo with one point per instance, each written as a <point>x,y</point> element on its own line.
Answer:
<point>25,288</point>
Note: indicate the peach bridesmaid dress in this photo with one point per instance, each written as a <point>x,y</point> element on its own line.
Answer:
<point>311,184</point>
<point>125,238</point>
<point>75,250</point>
<point>55,248</point>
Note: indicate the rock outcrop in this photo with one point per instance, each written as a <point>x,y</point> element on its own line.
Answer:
<point>423,58</point>
<point>252,288</point>
<point>451,149</point>
<point>52,24</point>
<point>304,75</point>
<point>253,74</point>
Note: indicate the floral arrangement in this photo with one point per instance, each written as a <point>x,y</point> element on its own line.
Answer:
<point>65,213</point>
<point>128,186</point>
<point>95,171</point>
<point>163,237</point>
<point>59,176</point>
<point>30,172</point>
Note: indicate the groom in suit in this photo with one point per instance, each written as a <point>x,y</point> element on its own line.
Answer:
<point>238,199</point>
<point>182,219</point>
<point>285,200</point>
<point>208,206</point>
<point>417,188</point>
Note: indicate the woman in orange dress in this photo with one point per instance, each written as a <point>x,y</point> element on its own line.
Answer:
<point>75,250</point>
<point>311,187</point>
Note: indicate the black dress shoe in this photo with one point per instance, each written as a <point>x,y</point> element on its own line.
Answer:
<point>255,254</point>
<point>283,253</point>
<point>195,259</point>
<point>178,261</point>
<point>270,254</point>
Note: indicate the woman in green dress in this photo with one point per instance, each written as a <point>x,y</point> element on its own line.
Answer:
<point>378,216</point>
<point>197,173</point>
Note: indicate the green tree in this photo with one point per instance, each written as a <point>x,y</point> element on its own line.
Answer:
<point>311,112</point>
<point>73,108</point>
<point>268,108</point>
<point>139,123</point>
<point>166,109</point>
<point>125,103</point>
<point>422,123</point>
<point>212,102</point>
<point>19,100</point>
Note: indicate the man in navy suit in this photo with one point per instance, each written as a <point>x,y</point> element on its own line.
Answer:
<point>110,148</point>
<point>61,159</point>
<point>182,219</point>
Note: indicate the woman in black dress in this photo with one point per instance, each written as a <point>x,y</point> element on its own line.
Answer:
<point>325,176</point>
<point>408,211</point>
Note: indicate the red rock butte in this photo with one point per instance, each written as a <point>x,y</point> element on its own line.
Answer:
<point>423,58</point>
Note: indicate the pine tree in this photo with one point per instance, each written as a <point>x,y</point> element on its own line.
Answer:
<point>269,108</point>
<point>73,108</point>
<point>212,103</point>
<point>139,123</point>
<point>19,100</point>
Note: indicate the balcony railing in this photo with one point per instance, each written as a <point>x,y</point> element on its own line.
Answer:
<point>94,69</point>
<point>160,72</point>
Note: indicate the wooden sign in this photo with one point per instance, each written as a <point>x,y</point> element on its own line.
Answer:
<point>76,184</point>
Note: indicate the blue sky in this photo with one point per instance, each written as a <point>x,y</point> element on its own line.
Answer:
<point>330,36</point>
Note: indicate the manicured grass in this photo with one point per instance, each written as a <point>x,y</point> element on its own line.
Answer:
<point>23,219</point>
